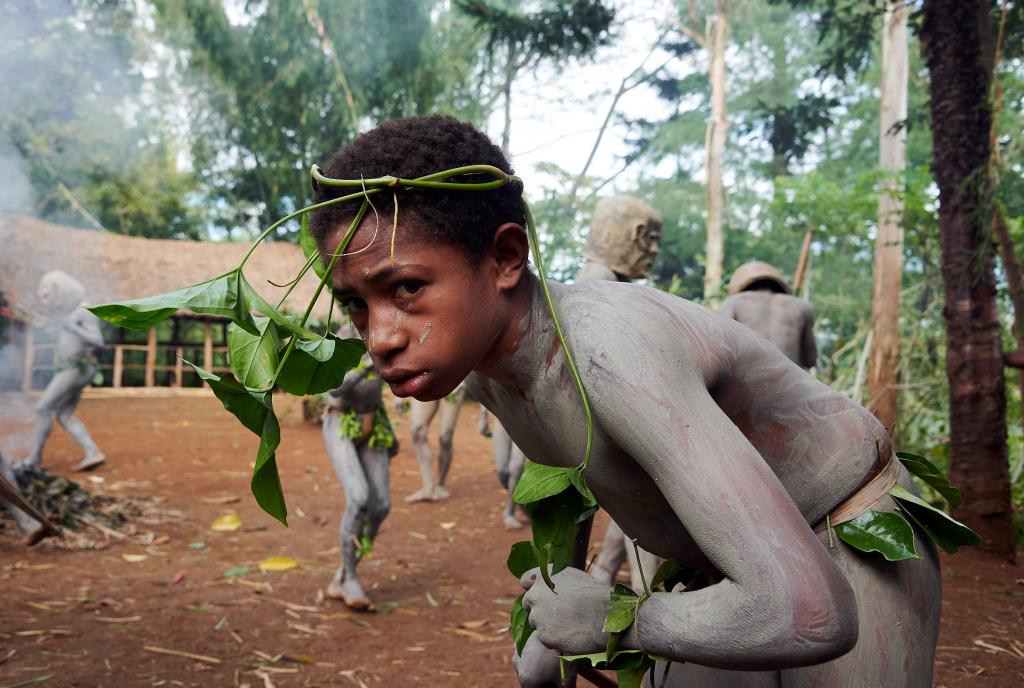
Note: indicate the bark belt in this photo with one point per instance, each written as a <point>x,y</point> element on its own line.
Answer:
<point>866,497</point>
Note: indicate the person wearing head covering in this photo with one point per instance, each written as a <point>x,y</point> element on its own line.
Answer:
<point>761,299</point>
<point>78,336</point>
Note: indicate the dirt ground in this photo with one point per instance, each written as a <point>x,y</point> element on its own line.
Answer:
<point>71,616</point>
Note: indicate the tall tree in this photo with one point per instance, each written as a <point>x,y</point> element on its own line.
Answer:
<point>951,34</point>
<point>517,40</point>
<point>714,39</point>
<point>883,362</point>
<point>290,82</point>
<point>80,136</point>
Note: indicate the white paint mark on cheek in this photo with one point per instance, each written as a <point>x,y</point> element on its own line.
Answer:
<point>424,332</point>
<point>366,272</point>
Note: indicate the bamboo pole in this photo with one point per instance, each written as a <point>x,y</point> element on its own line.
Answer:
<point>151,357</point>
<point>118,371</point>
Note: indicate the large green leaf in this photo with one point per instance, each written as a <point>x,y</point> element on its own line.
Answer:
<point>930,474</point>
<point>255,411</point>
<point>305,373</point>
<point>879,531</point>
<point>266,483</point>
<point>539,481</point>
<point>623,609</point>
<point>521,558</point>
<point>554,522</point>
<point>254,357</point>
<point>223,296</point>
<point>519,625</point>
<point>632,674</point>
<point>947,532</point>
<point>309,247</point>
<point>249,407</point>
<point>666,574</point>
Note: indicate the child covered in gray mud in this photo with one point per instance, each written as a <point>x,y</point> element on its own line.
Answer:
<point>710,446</point>
<point>360,444</point>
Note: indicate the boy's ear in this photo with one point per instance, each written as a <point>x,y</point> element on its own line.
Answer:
<point>510,253</point>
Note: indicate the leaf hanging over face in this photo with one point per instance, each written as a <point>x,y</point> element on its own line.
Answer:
<point>248,407</point>
<point>223,296</point>
<point>887,533</point>
<point>947,532</point>
<point>315,367</point>
<point>254,357</point>
<point>256,412</point>
<point>266,483</point>
<point>931,475</point>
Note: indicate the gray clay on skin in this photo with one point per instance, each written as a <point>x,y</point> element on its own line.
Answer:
<point>713,449</point>
<point>78,337</point>
<point>364,477</point>
<point>432,487</point>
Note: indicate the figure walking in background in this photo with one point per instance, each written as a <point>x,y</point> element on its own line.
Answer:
<point>761,299</point>
<point>62,298</point>
<point>432,484</point>
<point>360,443</point>
<point>624,240</point>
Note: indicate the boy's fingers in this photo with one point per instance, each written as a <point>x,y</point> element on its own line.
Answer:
<point>529,578</point>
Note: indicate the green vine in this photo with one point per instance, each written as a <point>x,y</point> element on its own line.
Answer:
<point>270,350</point>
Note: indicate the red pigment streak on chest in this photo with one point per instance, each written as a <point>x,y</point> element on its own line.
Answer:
<point>552,350</point>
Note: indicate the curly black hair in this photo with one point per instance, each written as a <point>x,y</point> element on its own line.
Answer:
<point>413,147</point>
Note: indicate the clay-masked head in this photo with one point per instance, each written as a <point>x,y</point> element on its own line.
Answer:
<point>60,293</point>
<point>757,275</point>
<point>624,236</point>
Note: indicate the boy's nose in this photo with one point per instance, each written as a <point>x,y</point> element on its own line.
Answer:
<point>386,335</point>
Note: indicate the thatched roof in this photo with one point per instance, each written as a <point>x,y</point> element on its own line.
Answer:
<point>116,267</point>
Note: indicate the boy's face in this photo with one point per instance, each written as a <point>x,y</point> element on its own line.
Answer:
<point>429,317</point>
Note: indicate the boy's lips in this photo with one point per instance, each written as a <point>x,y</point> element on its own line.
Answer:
<point>405,383</point>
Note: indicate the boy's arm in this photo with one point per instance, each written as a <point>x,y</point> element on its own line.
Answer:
<point>85,326</point>
<point>782,601</point>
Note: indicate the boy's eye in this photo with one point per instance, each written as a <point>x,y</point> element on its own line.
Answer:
<point>408,289</point>
<point>353,304</point>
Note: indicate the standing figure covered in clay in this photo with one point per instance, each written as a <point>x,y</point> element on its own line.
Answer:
<point>432,483</point>
<point>624,239</point>
<point>760,298</point>
<point>360,443</point>
<point>78,336</point>
<point>710,446</point>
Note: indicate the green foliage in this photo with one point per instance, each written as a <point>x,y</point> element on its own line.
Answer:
<point>878,531</point>
<point>947,532</point>
<point>931,475</point>
<point>570,29</point>
<point>78,120</point>
<point>296,80</point>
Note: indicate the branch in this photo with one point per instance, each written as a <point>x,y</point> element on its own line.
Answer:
<point>328,47</point>
<point>624,87</point>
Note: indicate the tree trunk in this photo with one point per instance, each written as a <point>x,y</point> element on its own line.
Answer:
<point>883,364</point>
<point>718,128</point>
<point>960,116</point>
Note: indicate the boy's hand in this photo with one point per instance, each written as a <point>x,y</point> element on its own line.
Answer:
<point>540,667</point>
<point>569,618</point>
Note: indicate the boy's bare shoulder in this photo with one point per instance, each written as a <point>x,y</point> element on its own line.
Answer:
<point>630,325</point>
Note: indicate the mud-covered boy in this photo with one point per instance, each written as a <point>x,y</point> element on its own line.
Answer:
<point>710,446</point>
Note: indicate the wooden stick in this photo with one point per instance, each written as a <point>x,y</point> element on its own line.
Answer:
<point>179,653</point>
<point>596,677</point>
<point>801,266</point>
